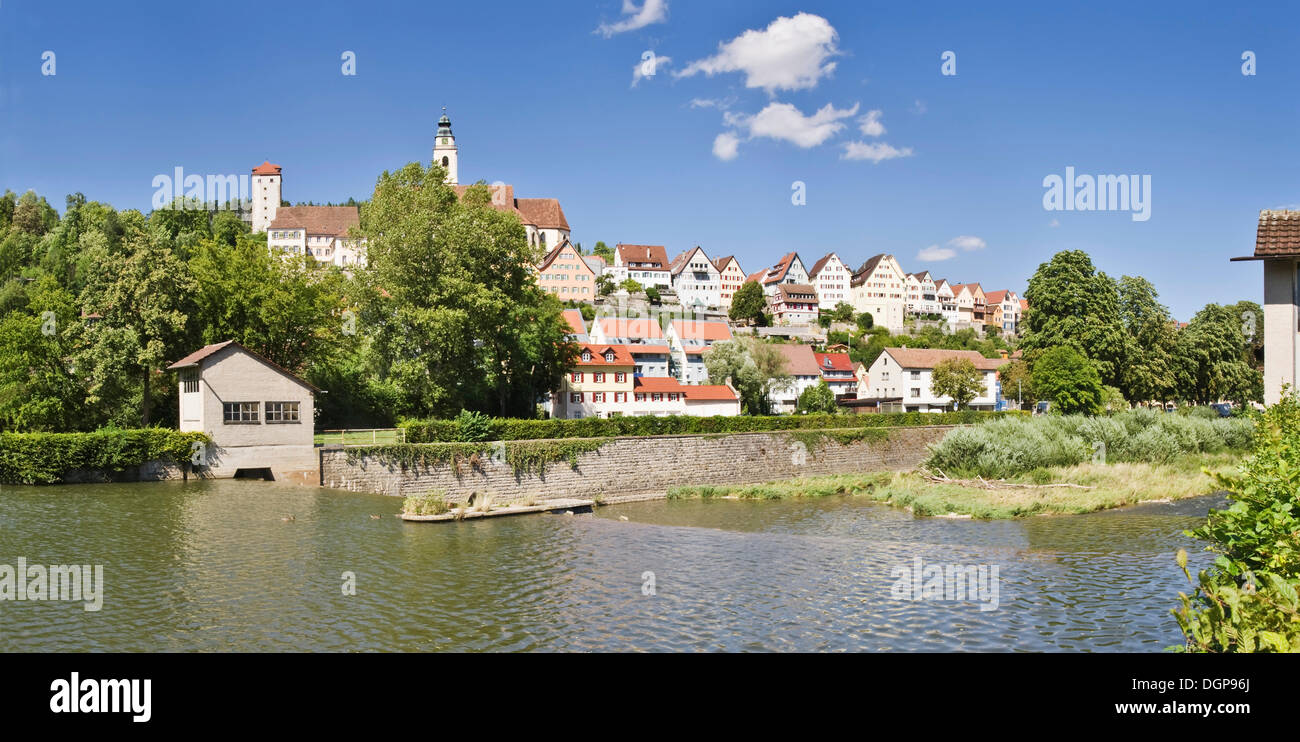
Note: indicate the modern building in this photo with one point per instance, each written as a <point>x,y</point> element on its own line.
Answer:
<point>907,373</point>
<point>1277,245</point>
<point>879,288</point>
<point>259,416</point>
<point>696,279</point>
<point>830,277</point>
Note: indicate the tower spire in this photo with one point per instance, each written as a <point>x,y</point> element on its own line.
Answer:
<point>445,153</point>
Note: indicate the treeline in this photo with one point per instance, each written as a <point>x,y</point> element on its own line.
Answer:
<point>95,304</point>
<point>1091,342</point>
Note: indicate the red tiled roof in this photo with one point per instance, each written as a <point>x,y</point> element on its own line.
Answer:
<point>197,356</point>
<point>701,392</point>
<point>974,287</point>
<point>543,213</point>
<point>613,327</point>
<point>702,330</point>
<point>866,269</point>
<point>817,267</point>
<point>778,271</point>
<point>996,297</point>
<point>576,322</point>
<point>799,360</point>
<point>799,292</point>
<point>622,357</point>
<point>838,361</point>
<point>330,220</point>
<point>760,277</point>
<point>1278,234</point>
<point>721,263</point>
<point>929,357</point>
<point>655,255</point>
<point>555,253</point>
<point>266,168</point>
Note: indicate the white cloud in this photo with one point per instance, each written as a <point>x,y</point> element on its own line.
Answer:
<point>967,242</point>
<point>934,254</point>
<point>870,124</point>
<point>651,11</point>
<point>790,54</point>
<point>649,68</point>
<point>721,104</point>
<point>874,151</point>
<point>726,146</point>
<point>785,122</point>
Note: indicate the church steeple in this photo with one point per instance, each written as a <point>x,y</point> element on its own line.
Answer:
<point>445,153</point>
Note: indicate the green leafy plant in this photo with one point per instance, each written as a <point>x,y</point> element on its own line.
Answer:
<point>45,458</point>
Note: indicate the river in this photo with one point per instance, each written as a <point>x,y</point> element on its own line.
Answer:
<point>214,566</point>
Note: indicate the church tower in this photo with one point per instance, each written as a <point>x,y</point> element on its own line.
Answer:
<point>444,150</point>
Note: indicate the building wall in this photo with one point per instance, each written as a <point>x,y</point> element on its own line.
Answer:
<point>832,284</point>
<point>568,277</point>
<point>231,375</point>
<point>1280,324</point>
<point>731,279</point>
<point>266,200</point>
<point>642,468</point>
<point>888,379</point>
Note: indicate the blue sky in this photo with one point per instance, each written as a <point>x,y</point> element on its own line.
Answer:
<point>542,99</point>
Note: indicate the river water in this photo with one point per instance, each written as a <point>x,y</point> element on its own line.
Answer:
<point>214,566</point>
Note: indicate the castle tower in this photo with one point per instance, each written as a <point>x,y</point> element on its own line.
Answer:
<point>444,150</point>
<point>265,195</point>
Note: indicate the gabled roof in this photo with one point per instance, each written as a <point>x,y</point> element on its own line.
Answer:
<point>555,253</point>
<point>799,359</point>
<point>971,287</point>
<point>683,259</point>
<point>922,276</point>
<point>817,267</point>
<point>866,269</point>
<point>705,331</point>
<point>929,357</point>
<point>759,277</point>
<point>266,168</point>
<point>833,362</point>
<point>196,358</point>
<point>622,357</point>
<point>1278,234</point>
<point>721,263</point>
<point>800,292</point>
<point>777,272</point>
<point>996,297</point>
<point>576,322</point>
<point>543,213</point>
<point>330,220</point>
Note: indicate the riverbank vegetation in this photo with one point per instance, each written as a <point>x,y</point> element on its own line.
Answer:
<point>1249,600</point>
<point>45,458</point>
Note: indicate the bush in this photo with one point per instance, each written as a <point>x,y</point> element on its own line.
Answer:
<point>1247,602</point>
<point>44,458</point>
<point>1010,446</point>
<point>510,429</point>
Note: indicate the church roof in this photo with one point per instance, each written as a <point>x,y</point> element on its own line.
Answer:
<point>543,213</point>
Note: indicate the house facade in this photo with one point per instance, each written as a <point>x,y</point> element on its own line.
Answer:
<point>830,277</point>
<point>321,232</point>
<point>947,302</point>
<point>804,371</point>
<point>837,372</point>
<point>879,288</point>
<point>646,264</point>
<point>922,294</point>
<point>564,273</point>
<point>794,304</point>
<point>687,341</point>
<point>260,417</point>
<point>602,383</point>
<point>1003,311</point>
<point>908,372</point>
<point>730,278</point>
<point>971,303</point>
<point>696,279</point>
<point>789,269</point>
<point>643,338</point>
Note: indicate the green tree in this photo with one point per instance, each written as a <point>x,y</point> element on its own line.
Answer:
<point>1075,305</point>
<point>631,286</point>
<point>604,285</point>
<point>748,303</point>
<point>1066,378</point>
<point>753,367</point>
<point>456,318</point>
<point>816,398</point>
<point>843,312</point>
<point>957,379</point>
<point>866,321</point>
<point>601,250</point>
<point>38,389</point>
<point>1147,372</point>
<point>1017,383</point>
<point>1211,358</point>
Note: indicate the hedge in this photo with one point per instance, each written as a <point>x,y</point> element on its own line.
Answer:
<point>508,429</point>
<point>44,458</point>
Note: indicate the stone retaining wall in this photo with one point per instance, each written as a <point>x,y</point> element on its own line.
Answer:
<point>644,467</point>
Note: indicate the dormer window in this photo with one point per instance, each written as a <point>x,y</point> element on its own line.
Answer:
<point>586,356</point>
<point>609,356</point>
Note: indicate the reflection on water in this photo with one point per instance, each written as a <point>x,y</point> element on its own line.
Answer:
<point>213,566</point>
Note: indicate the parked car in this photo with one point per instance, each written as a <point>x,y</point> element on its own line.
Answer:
<point>1223,408</point>
<point>1042,407</point>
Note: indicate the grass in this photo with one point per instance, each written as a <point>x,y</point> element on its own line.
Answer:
<point>1115,485</point>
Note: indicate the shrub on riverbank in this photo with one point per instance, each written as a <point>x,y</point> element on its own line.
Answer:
<point>1014,445</point>
<point>45,458</point>
<point>1249,601</point>
<point>509,429</point>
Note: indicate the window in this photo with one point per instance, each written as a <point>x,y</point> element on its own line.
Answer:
<point>640,396</point>
<point>672,396</point>
<point>576,376</point>
<point>598,397</point>
<point>598,377</point>
<point>190,380</point>
<point>916,392</point>
<point>620,396</point>
<point>609,357</point>
<point>575,397</point>
<point>657,397</point>
<point>236,413</point>
<point>282,412</point>
<point>620,378</point>
<point>916,374</point>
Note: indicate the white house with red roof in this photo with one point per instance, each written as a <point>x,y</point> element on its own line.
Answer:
<point>830,277</point>
<point>802,366</point>
<point>837,372</point>
<point>922,294</point>
<point>259,416</point>
<point>603,383</point>
<point>645,341</point>
<point>730,276</point>
<point>789,269</point>
<point>794,304</point>
<point>879,288</point>
<point>908,372</point>
<point>687,341</point>
<point>648,265</point>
